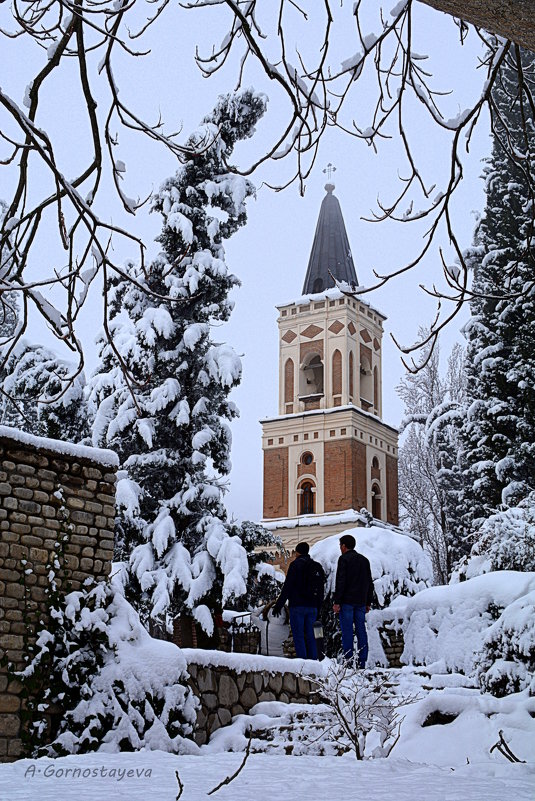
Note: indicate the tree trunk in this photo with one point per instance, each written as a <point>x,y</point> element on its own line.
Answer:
<point>513,19</point>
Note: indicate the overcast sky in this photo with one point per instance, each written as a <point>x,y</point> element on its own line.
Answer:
<point>270,254</point>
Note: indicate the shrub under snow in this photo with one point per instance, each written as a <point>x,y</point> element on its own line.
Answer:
<point>506,541</point>
<point>448,628</point>
<point>135,697</point>
<point>508,661</point>
<point>399,565</point>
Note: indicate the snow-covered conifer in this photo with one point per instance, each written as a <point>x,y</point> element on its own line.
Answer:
<point>42,394</point>
<point>163,405</point>
<point>499,429</point>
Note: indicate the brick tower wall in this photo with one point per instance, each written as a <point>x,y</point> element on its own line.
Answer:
<point>276,483</point>
<point>345,475</point>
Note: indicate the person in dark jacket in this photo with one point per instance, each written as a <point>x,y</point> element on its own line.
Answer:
<point>353,594</point>
<point>303,589</point>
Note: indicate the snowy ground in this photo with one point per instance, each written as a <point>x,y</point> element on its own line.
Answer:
<point>264,778</point>
<point>432,763</point>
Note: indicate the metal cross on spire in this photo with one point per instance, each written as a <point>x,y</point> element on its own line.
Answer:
<point>329,169</point>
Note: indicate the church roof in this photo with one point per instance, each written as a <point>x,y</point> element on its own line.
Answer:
<point>330,249</point>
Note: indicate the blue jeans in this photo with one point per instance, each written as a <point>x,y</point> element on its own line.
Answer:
<point>352,615</point>
<point>302,619</point>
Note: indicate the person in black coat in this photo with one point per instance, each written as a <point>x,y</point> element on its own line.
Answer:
<point>353,594</point>
<point>303,589</point>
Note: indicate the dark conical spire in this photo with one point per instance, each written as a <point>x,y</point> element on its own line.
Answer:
<point>330,249</point>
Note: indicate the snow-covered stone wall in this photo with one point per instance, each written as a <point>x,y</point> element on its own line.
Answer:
<point>232,684</point>
<point>57,510</point>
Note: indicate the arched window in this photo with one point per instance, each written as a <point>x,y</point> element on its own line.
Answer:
<point>376,501</point>
<point>351,375</point>
<point>375,389</point>
<point>337,373</point>
<point>366,378</point>
<point>289,381</point>
<point>306,498</point>
<point>311,376</point>
<point>376,469</point>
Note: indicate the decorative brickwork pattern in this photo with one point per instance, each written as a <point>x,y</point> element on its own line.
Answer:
<point>311,331</point>
<point>289,336</point>
<point>36,487</point>
<point>336,327</point>
<point>365,335</point>
<point>276,483</point>
<point>289,381</point>
<point>337,373</point>
<point>392,514</point>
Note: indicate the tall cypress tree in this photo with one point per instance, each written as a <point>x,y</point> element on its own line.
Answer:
<point>499,430</point>
<point>167,419</point>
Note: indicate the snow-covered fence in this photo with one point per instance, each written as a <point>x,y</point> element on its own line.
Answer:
<point>56,520</point>
<point>232,684</point>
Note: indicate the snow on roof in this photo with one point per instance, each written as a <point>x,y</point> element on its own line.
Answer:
<point>349,516</point>
<point>332,410</point>
<point>330,294</point>
<point>102,456</point>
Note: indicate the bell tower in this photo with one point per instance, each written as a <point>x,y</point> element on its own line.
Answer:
<point>328,454</point>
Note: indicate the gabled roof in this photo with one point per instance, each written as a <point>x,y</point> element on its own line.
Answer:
<point>330,249</point>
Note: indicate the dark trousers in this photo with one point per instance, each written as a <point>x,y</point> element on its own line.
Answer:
<point>302,619</point>
<point>354,617</point>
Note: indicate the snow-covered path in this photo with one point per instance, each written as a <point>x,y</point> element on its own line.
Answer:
<point>95,777</point>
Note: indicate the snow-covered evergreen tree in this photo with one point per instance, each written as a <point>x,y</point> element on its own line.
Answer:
<point>499,429</point>
<point>163,405</point>
<point>264,580</point>
<point>42,394</point>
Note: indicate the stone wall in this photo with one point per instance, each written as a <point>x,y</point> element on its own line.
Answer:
<point>225,690</point>
<point>393,644</point>
<point>48,490</point>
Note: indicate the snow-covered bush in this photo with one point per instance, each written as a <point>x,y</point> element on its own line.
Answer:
<point>399,567</point>
<point>118,688</point>
<point>448,626</point>
<point>507,663</point>
<point>506,541</point>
